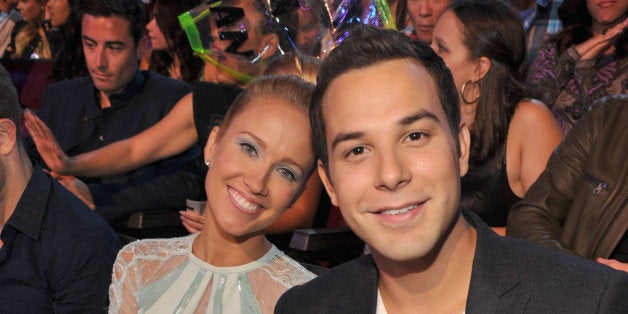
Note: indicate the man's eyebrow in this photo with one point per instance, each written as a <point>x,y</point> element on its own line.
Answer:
<point>422,114</point>
<point>107,43</point>
<point>85,37</point>
<point>345,137</point>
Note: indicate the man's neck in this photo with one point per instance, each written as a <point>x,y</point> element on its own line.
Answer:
<point>14,186</point>
<point>104,100</point>
<point>436,284</point>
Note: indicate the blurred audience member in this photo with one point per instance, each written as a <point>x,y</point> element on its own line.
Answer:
<point>171,54</point>
<point>55,254</point>
<point>579,204</point>
<point>28,39</point>
<point>423,16</point>
<point>585,61</point>
<point>8,18</point>
<point>311,27</point>
<point>117,101</point>
<point>540,19</point>
<point>512,136</point>
<point>399,10</point>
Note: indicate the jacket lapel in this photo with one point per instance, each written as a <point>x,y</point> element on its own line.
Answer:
<point>495,280</point>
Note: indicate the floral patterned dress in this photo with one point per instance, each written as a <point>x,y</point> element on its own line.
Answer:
<point>569,85</point>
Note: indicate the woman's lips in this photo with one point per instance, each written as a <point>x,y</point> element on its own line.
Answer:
<point>242,202</point>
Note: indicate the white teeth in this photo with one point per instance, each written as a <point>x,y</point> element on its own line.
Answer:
<point>397,211</point>
<point>242,202</point>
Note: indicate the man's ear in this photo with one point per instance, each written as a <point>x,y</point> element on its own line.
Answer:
<point>483,65</point>
<point>322,172</point>
<point>211,143</point>
<point>464,137</point>
<point>8,136</point>
<point>269,45</point>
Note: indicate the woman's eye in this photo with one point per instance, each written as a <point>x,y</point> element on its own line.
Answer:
<point>248,149</point>
<point>288,174</point>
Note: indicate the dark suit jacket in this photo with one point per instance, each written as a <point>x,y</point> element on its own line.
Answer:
<point>508,276</point>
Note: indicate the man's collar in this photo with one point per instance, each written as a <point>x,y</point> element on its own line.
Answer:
<point>29,212</point>
<point>131,89</point>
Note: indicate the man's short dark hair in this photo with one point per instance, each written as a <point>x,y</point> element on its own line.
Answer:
<point>9,103</point>
<point>132,11</point>
<point>366,46</point>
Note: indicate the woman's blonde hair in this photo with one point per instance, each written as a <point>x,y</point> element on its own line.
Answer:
<point>289,88</point>
<point>25,35</point>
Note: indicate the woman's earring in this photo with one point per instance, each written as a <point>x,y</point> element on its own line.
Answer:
<point>464,86</point>
<point>207,163</point>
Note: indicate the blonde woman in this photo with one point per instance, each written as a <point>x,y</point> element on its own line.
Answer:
<point>28,40</point>
<point>257,169</point>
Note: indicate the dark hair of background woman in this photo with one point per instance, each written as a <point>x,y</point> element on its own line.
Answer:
<point>69,59</point>
<point>492,29</point>
<point>178,44</point>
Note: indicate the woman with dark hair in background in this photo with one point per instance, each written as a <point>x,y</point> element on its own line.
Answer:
<point>65,39</point>
<point>585,61</point>
<point>172,55</point>
<point>512,136</point>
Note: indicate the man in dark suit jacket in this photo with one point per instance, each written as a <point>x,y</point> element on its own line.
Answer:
<point>386,122</point>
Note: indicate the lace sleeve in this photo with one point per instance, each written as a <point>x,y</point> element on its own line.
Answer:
<point>270,281</point>
<point>288,272</point>
<point>123,287</point>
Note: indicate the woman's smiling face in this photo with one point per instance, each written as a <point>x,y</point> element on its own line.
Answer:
<point>259,164</point>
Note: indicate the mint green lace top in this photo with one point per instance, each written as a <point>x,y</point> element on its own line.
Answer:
<point>163,276</point>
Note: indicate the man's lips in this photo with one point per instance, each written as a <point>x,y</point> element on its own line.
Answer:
<point>397,211</point>
<point>396,215</point>
<point>101,76</point>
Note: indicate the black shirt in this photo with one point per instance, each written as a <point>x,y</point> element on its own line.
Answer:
<point>57,255</point>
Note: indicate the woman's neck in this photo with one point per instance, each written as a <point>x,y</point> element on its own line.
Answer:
<point>219,248</point>
<point>599,28</point>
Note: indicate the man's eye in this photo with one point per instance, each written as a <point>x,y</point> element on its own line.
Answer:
<point>357,151</point>
<point>415,136</point>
